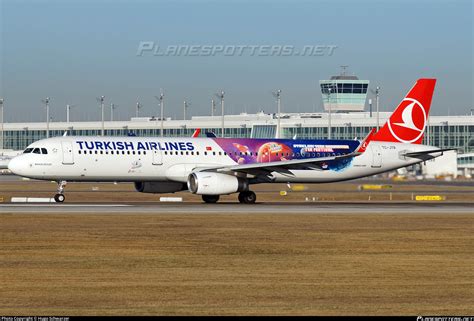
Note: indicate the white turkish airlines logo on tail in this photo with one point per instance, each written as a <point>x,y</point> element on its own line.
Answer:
<point>415,127</point>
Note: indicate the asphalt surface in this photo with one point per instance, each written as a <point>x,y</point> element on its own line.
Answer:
<point>316,208</point>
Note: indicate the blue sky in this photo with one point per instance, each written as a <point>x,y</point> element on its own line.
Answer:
<point>75,51</point>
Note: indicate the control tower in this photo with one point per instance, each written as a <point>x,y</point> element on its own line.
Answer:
<point>344,92</point>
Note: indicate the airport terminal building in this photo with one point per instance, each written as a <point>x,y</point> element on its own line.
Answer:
<point>443,131</point>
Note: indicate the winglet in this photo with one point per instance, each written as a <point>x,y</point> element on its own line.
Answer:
<point>196,132</point>
<point>365,142</point>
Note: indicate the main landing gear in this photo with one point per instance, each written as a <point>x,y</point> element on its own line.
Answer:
<point>247,197</point>
<point>59,197</point>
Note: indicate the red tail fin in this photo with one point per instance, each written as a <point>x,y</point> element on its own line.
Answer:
<point>408,121</point>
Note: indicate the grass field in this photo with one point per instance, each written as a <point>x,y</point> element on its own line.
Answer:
<point>236,264</point>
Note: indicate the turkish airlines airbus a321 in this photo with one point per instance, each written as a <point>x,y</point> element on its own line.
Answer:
<point>217,166</point>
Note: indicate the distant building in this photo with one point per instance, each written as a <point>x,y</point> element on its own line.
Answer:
<point>344,93</point>
<point>444,131</point>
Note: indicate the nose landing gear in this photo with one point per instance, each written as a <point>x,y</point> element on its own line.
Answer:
<point>59,197</point>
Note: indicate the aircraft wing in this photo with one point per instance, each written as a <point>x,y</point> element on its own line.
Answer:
<point>282,167</point>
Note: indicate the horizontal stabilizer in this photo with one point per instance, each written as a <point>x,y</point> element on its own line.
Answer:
<point>426,152</point>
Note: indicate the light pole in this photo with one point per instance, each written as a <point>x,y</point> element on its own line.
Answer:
<point>1,115</point>
<point>112,108</point>
<point>101,100</point>
<point>377,94</point>
<point>213,107</point>
<point>139,106</point>
<point>185,107</point>
<point>46,102</point>
<point>68,112</point>
<point>277,94</point>
<point>161,100</point>
<point>329,114</point>
<point>221,97</point>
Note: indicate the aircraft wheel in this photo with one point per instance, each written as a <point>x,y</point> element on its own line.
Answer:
<point>210,198</point>
<point>247,197</point>
<point>59,198</point>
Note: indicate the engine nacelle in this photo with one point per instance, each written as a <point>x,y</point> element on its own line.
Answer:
<point>159,187</point>
<point>205,183</point>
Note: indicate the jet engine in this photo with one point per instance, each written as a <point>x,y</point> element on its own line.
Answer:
<point>159,187</point>
<point>206,183</point>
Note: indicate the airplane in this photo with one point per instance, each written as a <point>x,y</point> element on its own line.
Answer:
<point>211,166</point>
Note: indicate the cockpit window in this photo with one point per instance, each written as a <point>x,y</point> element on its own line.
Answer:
<point>28,150</point>
<point>44,151</point>
<point>36,151</point>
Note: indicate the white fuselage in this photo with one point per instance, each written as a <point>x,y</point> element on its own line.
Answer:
<point>65,161</point>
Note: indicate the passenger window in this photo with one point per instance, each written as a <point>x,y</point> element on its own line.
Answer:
<point>197,153</point>
<point>96,152</point>
<point>79,152</point>
<point>101,152</point>
<point>205,153</point>
<point>90,152</point>
<point>144,152</point>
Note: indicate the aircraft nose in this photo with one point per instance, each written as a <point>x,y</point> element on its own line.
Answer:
<point>15,165</point>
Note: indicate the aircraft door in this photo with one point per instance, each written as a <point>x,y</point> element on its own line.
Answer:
<point>157,157</point>
<point>68,154</point>
<point>376,156</point>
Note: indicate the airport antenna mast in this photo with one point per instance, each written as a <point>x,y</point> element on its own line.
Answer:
<point>46,102</point>
<point>277,95</point>
<point>101,101</point>
<point>344,69</point>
